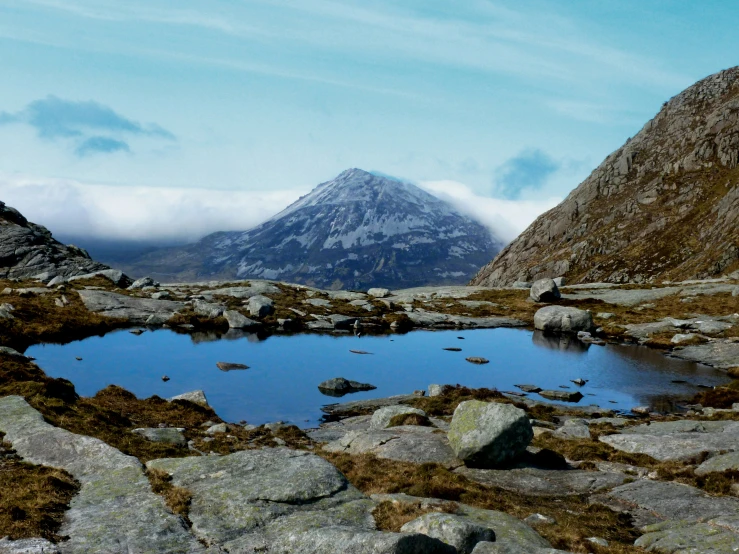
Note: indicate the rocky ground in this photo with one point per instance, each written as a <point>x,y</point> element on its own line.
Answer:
<point>455,470</point>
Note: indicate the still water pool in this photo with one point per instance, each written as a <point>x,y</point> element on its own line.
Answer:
<point>284,371</point>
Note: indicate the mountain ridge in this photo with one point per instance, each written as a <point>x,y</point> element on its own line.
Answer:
<point>664,206</point>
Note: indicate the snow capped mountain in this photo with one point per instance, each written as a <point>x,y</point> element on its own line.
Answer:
<point>356,231</point>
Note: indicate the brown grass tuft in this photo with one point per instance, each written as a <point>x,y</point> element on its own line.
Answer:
<point>177,498</point>
<point>391,516</point>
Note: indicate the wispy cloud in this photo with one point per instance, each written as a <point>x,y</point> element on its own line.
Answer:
<point>55,118</point>
<point>527,170</point>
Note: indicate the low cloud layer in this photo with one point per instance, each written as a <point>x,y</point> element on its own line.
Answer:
<point>168,215</point>
<point>506,218</point>
<point>91,127</point>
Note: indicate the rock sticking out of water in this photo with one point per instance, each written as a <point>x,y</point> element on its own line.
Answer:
<point>477,360</point>
<point>339,386</point>
<point>228,366</point>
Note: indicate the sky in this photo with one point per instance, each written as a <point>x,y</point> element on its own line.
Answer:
<point>168,120</point>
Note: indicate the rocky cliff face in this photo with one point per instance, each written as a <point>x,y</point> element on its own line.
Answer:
<point>357,231</point>
<point>663,206</point>
<point>29,250</point>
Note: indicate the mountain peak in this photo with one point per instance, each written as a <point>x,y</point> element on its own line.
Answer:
<point>356,231</point>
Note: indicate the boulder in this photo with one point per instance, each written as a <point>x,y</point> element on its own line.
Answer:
<point>435,390</point>
<point>560,281</point>
<point>118,278</point>
<point>457,531</point>
<point>339,386</point>
<point>236,320</point>
<point>28,546</point>
<point>544,290</point>
<point>563,319</point>
<point>208,309</point>
<point>143,282</point>
<point>378,292</point>
<point>196,397</point>
<point>260,306</point>
<point>166,435</point>
<point>230,366</point>
<point>381,418</point>
<point>489,434</point>
<point>161,295</point>
<point>134,310</point>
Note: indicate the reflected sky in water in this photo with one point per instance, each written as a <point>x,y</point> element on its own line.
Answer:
<point>281,383</point>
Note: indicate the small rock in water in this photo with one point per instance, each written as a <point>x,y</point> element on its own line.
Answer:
<point>359,352</point>
<point>565,396</point>
<point>477,360</point>
<point>460,338</point>
<point>165,378</point>
<point>579,381</point>
<point>137,332</point>
<point>641,410</point>
<point>528,388</point>
<point>678,381</point>
<point>78,359</point>
<point>564,387</point>
<point>340,386</point>
<point>452,349</point>
<point>228,366</point>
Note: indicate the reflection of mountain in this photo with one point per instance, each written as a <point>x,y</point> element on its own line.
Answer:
<point>562,343</point>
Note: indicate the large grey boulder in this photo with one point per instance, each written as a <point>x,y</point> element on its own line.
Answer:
<point>143,282</point>
<point>118,278</point>
<point>115,511</point>
<point>378,292</point>
<point>563,319</point>
<point>134,310</point>
<point>721,354</point>
<point>489,434</point>
<point>452,529</point>
<point>260,306</point>
<point>236,320</point>
<point>544,482</point>
<point>381,418</point>
<point>544,290</point>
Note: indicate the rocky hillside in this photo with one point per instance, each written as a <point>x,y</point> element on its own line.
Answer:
<point>29,250</point>
<point>665,206</point>
<point>357,231</point>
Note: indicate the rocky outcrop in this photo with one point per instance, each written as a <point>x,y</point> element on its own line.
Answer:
<point>28,250</point>
<point>487,434</point>
<point>663,206</point>
<point>356,231</point>
<point>563,319</point>
<point>129,308</point>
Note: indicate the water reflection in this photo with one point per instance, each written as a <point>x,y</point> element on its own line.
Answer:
<point>563,343</point>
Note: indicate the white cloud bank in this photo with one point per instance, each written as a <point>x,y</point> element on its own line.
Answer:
<point>168,215</point>
<point>506,218</point>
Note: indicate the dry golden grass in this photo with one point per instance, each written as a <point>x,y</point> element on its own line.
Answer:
<point>177,498</point>
<point>33,498</point>
<point>391,516</point>
<point>409,419</point>
<point>576,519</point>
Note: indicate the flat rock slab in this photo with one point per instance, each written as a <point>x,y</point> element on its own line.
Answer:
<point>677,518</point>
<point>679,440</point>
<point>407,443</point>
<point>347,409</point>
<point>719,354</point>
<point>281,501</point>
<point>435,319</point>
<point>115,510</point>
<point>544,482</point>
<point>134,310</point>
<point>510,532</point>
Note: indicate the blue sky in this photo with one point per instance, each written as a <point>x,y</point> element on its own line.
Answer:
<point>260,100</point>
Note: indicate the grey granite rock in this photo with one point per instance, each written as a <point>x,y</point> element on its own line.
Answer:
<point>455,530</point>
<point>406,443</point>
<point>544,290</point>
<point>488,434</point>
<point>351,408</point>
<point>143,282</point>
<point>115,510</point>
<point>720,463</point>
<point>563,319</point>
<point>544,482</point>
<point>208,309</point>
<point>495,548</point>
<point>435,390</point>
<point>28,546</point>
<point>236,320</point>
<point>721,354</point>
<point>339,386</point>
<point>134,310</point>
<point>381,418</point>
<point>196,396</point>
<point>260,306</point>
<point>378,292</point>
<point>562,395</point>
<point>115,276</point>
<point>167,435</point>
